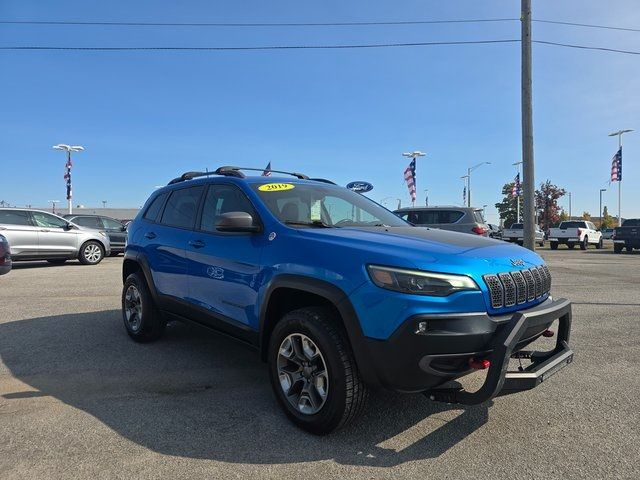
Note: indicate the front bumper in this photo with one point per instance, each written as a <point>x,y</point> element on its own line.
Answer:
<point>419,362</point>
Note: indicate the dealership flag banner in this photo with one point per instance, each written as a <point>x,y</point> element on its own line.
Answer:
<point>464,195</point>
<point>410,178</point>
<point>67,176</point>
<point>267,171</point>
<point>616,166</point>
<point>515,192</point>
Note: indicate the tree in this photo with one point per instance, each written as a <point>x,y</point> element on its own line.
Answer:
<point>564,216</point>
<point>586,216</point>
<point>507,208</point>
<point>547,204</point>
<point>607,220</point>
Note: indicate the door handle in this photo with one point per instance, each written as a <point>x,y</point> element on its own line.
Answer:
<point>150,235</point>
<point>196,243</point>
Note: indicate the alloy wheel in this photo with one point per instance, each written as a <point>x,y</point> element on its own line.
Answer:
<point>302,373</point>
<point>92,253</point>
<point>133,308</point>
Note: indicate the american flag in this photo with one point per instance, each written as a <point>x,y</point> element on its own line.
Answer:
<point>464,195</point>
<point>516,190</point>
<point>267,171</point>
<point>67,177</point>
<point>616,166</point>
<point>410,178</point>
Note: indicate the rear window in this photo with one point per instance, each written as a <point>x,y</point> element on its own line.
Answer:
<point>14,217</point>
<point>182,207</point>
<point>155,207</point>
<point>516,226</point>
<point>572,225</point>
<point>632,222</point>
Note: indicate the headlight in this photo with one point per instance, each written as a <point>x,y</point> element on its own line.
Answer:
<point>418,282</point>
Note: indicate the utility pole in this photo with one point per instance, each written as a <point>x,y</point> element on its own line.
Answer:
<point>600,211</point>
<point>468,177</point>
<point>619,135</point>
<point>527,129</point>
<point>569,193</point>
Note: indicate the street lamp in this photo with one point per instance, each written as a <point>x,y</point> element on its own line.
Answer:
<point>69,149</point>
<point>53,205</point>
<point>619,134</point>
<point>600,211</point>
<point>104,204</point>
<point>569,194</point>
<point>468,176</point>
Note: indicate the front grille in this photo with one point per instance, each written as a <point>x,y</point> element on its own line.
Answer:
<point>507,289</point>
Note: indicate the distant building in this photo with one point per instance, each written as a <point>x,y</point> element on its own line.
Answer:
<point>122,214</point>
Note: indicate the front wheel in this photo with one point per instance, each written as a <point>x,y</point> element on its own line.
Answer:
<point>617,247</point>
<point>313,372</point>
<point>599,244</point>
<point>91,253</point>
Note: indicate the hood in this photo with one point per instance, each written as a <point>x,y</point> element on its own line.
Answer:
<point>429,249</point>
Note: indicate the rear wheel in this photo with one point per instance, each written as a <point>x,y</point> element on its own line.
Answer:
<point>91,253</point>
<point>617,248</point>
<point>143,321</point>
<point>585,243</point>
<point>553,245</point>
<point>313,372</point>
<point>629,249</point>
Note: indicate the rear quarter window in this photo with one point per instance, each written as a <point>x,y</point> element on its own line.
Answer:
<point>14,217</point>
<point>154,209</point>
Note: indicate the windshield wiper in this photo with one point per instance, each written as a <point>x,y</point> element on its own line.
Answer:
<point>312,223</point>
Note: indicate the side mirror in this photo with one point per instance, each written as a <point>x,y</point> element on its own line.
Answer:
<point>70,226</point>
<point>123,228</point>
<point>236,222</point>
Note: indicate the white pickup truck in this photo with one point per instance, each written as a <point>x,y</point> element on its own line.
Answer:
<point>515,234</point>
<point>572,233</point>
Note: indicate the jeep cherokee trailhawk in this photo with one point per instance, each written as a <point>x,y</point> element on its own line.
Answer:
<point>338,293</point>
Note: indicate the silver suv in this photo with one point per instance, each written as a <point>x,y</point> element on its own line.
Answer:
<point>38,235</point>
<point>457,219</point>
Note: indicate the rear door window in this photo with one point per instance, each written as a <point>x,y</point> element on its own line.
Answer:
<point>14,217</point>
<point>449,216</point>
<point>182,207</point>
<point>90,222</point>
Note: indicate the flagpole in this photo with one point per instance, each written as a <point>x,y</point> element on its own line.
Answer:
<point>518,194</point>
<point>619,135</point>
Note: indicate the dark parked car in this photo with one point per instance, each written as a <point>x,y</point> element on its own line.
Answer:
<point>116,230</point>
<point>494,231</point>
<point>5,256</point>
<point>628,235</point>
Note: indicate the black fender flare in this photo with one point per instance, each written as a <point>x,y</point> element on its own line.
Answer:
<point>340,300</point>
<point>142,262</point>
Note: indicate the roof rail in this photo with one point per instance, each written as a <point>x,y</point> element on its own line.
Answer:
<point>230,171</point>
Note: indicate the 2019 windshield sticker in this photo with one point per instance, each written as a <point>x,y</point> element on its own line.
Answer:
<point>275,187</point>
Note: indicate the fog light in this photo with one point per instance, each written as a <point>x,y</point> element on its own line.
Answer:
<point>421,329</point>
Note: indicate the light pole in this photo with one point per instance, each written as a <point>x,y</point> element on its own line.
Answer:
<point>569,193</point>
<point>600,211</point>
<point>67,176</point>
<point>518,196</point>
<point>53,205</point>
<point>413,155</point>
<point>469,170</point>
<point>619,134</point>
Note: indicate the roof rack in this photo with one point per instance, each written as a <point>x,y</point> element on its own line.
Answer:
<point>323,180</point>
<point>230,171</point>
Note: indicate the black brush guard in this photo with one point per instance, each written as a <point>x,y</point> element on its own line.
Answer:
<point>499,380</point>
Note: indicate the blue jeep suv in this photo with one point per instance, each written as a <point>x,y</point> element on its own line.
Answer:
<point>337,293</point>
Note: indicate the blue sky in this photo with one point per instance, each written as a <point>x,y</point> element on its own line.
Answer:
<point>346,115</point>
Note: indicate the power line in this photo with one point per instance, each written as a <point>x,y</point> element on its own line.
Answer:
<point>588,25</point>
<point>265,47</point>
<point>308,47</point>
<point>303,24</point>
<point>258,24</point>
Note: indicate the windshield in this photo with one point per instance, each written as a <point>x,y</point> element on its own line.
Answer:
<point>323,205</point>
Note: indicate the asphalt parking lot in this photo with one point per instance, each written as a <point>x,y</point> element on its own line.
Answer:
<point>79,399</point>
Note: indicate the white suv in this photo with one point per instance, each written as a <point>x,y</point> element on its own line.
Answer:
<point>38,235</point>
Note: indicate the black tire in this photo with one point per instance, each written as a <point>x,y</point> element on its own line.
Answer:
<point>57,261</point>
<point>584,244</point>
<point>629,249</point>
<point>541,243</point>
<point>553,245</point>
<point>617,248</point>
<point>151,324</point>
<point>600,244</point>
<point>571,246</point>
<point>346,393</point>
<point>91,253</point>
